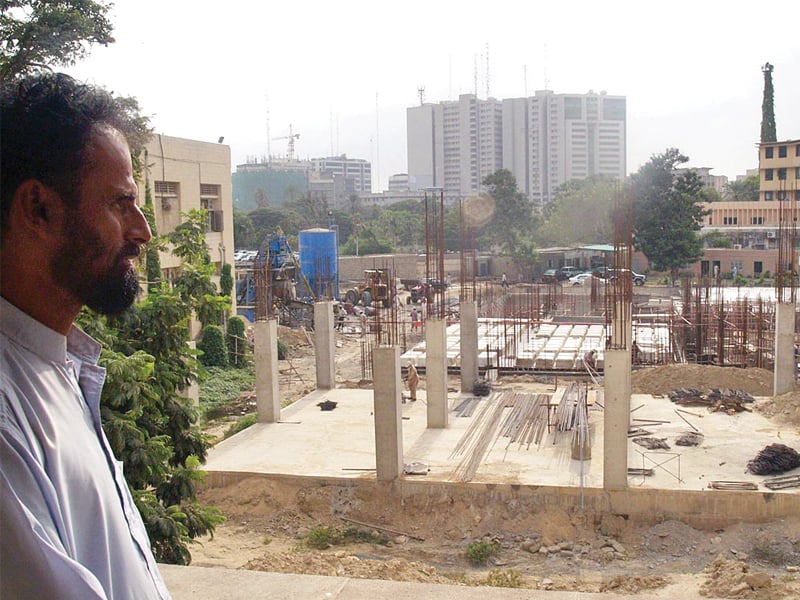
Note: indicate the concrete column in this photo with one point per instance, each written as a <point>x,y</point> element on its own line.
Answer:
<point>323,333</point>
<point>784,371</point>
<point>469,345</point>
<point>436,372</point>
<point>268,399</point>
<point>388,388</point>
<point>616,417</point>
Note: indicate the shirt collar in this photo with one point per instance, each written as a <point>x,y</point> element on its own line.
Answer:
<point>40,339</point>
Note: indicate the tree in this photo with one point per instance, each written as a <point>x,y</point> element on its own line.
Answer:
<point>150,426</point>
<point>580,213</point>
<point>368,243</point>
<point>226,280</point>
<point>666,212</point>
<point>37,34</point>
<point>513,220</point>
<point>212,344</point>
<point>742,190</point>
<point>768,130</point>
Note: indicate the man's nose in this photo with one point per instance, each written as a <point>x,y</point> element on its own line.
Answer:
<point>138,229</point>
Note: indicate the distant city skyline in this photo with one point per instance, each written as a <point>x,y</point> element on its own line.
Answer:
<point>343,75</point>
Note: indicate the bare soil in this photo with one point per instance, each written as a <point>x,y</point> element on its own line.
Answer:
<point>269,522</point>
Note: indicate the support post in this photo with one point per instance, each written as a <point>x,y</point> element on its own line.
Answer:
<point>268,399</point>
<point>616,418</point>
<point>387,396</point>
<point>469,345</point>
<point>323,331</point>
<point>436,372</point>
<point>785,367</point>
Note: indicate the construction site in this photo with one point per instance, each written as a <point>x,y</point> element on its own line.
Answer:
<point>603,441</point>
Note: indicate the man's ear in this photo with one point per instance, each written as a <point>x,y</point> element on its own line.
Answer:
<point>34,205</point>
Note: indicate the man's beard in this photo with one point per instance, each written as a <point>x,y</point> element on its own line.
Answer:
<point>109,292</point>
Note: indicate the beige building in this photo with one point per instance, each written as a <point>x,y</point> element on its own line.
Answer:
<point>185,174</point>
<point>755,224</point>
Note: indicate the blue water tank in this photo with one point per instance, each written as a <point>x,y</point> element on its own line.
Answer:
<point>319,260</point>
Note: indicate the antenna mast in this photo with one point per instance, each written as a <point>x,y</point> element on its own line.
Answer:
<point>269,152</point>
<point>421,92</point>
<point>487,70</point>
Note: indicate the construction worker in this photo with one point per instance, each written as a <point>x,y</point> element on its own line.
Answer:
<point>412,379</point>
<point>590,360</point>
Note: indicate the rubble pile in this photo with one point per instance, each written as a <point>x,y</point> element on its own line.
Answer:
<point>775,458</point>
<point>717,399</point>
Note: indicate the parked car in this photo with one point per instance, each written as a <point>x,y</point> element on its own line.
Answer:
<point>568,271</point>
<point>580,278</point>
<point>551,276</point>
<point>606,273</point>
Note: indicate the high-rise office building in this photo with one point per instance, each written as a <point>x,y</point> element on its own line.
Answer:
<point>454,145</point>
<point>543,140</point>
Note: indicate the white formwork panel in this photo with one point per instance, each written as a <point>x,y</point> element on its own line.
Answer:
<point>564,360</point>
<point>554,344</point>
<point>544,360</point>
<point>596,331</point>
<point>546,330</point>
<point>579,330</point>
<point>525,360</point>
<point>571,344</point>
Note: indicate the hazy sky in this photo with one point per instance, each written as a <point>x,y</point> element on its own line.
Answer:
<point>343,73</point>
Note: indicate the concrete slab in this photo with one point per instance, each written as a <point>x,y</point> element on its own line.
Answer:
<point>341,443</point>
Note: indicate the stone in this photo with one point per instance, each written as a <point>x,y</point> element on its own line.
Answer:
<point>758,581</point>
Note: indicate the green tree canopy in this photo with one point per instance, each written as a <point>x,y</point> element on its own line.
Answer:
<point>768,130</point>
<point>666,212</point>
<point>513,219</point>
<point>581,213</point>
<point>742,190</point>
<point>39,34</point>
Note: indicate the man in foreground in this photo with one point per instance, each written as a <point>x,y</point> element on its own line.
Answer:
<point>70,229</point>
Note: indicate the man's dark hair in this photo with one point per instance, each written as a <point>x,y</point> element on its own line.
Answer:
<point>46,121</point>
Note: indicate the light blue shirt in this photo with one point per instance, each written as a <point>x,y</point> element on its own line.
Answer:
<point>68,524</point>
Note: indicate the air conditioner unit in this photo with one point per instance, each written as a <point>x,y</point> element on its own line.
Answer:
<point>737,246</point>
<point>771,234</point>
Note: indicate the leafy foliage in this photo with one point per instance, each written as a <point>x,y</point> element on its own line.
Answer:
<point>36,34</point>
<point>768,129</point>
<point>513,219</point>
<point>581,212</point>
<point>226,280</point>
<point>151,427</point>
<point>667,213</point>
<point>481,551</point>
<point>212,343</point>
<point>743,190</point>
<point>236,341</point>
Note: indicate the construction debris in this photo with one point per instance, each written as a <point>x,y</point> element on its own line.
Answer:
<point>327,405</point>
<point>782,483</point>
<point>775,458</point>
<point>652,443</point>
<point>690,438</point>
<point>717,399</point>
<point>732,485</point>
<point>482,387</point>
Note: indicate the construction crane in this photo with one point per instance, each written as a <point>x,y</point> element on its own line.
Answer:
<point>291,137</point>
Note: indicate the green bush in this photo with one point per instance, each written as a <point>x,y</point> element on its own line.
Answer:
<point>237,343</point>
<point>479,552</point>
<point>508,578</point>
<point>283,349</point>
<point>321,537</point>
<point>212,343</point>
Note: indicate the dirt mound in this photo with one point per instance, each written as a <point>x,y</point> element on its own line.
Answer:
<point>734,579</point>
<point>661,380</point>
<point>785,407</point>
<point>632,584</point>
<point>341,564</point>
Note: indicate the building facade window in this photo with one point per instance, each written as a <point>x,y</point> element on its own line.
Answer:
<point>782,173</point>
<point>168,196</point>
<point>758,267</point>
<point>769,196</point>
<point>757,221</point>
<point>768,174</point>
<point>781,151</point>
<point>730,220</point>
<point>768,152</point>
<point>211,201</point>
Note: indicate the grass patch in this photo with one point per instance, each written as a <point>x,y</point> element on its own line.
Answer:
<point>240,425</point>
<point>222,387</point>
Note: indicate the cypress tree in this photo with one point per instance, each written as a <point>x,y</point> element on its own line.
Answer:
<point>768,131</point>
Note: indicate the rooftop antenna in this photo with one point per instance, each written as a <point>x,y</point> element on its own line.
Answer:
<point>525,79</point>
<point>487,70</point>
<point>475,73</point>
<point>546,82</point>
<point>450,77</point>
<point>330,125</point>
<point>377,142</point>
<point>421,92</point>
<point>269,152</point>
